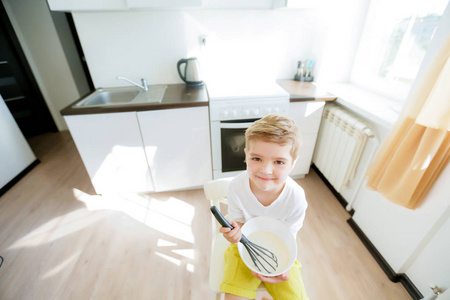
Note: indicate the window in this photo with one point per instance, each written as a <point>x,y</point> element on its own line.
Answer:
<point>393,43</point>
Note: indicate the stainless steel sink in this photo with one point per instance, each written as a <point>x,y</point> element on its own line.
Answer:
<point>109,97</point>
<point>122,96</point>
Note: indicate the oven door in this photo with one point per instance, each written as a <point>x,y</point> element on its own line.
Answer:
<point>228,143</point>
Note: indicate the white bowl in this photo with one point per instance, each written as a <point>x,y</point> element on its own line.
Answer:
<point>274,236</point>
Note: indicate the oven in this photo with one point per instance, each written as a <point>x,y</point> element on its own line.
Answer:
<point>231,115</point>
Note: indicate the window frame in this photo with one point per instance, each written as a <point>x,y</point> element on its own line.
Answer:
<point>359,76</point>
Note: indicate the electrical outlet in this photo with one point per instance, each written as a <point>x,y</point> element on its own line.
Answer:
<point>203,39</point>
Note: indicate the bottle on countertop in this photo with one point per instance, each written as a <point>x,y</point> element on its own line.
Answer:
<point>304,71</point>
<point>300,69</point>
<point>309,68</point>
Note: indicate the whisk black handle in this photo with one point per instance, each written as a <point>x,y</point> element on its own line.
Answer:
<point>220,218</point>
<point>224,222</point>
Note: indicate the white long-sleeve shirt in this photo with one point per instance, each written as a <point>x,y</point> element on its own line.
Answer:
<point>289,208</point>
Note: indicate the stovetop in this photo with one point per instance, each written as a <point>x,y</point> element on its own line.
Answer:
<point>246,101</point>
<point>220,91</point>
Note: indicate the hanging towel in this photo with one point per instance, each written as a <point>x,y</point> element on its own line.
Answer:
<point>417,148</point>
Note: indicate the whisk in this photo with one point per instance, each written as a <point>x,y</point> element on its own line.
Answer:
<point>260,256</point>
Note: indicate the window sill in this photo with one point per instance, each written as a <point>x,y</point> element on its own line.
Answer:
<point>376,108</point>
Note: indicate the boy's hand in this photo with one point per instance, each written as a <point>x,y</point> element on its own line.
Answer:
<point>233,236</point>
<point>272,279</point>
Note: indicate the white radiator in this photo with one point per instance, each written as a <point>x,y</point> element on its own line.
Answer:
<point>340,144</point>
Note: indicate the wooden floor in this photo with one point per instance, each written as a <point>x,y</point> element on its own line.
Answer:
<point>61,241</point>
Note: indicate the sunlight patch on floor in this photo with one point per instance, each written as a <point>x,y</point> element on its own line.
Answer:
<point>169,258</point>
<point>178,262</point>
<point>131,204</point>
<point>54,271</point>
<point>164,243</point>
<point>173,208</point>
<point>190,268</point>
<point>188,253</point>
<point>57,228</point>
<point>172,217</point>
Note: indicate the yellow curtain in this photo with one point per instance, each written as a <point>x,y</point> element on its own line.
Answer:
<point>417,148</point>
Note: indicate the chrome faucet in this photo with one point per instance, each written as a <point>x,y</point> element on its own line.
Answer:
<point>143,86</point>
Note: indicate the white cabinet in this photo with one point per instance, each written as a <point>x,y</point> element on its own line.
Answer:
<point>15,153</point>
<point>296,4</point>
<point>108,5</point>
<point>177,144</point>
<point>165,4</point>
<point>87,5</point>
<point>111,148</point>
<point>307,115</point>
<point>149,151</point>
<point>238,4</point>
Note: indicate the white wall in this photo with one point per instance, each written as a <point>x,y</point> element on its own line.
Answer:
<point>428,267</point>
<point>396,231</point>
<point>15,153</point>
<point>36,32</point>
<point>341,23</point>
<point>70,50</point>
<point>242,44</point>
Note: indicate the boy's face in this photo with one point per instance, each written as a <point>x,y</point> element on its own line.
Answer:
<point>268,165</point>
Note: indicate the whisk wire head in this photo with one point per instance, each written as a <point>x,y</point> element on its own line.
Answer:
<point>256,252</point>
<point>261,257</point>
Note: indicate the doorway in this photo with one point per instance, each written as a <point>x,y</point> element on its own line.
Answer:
<point>18,86</point>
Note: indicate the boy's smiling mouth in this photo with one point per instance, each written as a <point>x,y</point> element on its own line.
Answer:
<point>265,179</point>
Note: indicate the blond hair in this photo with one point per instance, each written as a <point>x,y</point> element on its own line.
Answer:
<point>275,128</point>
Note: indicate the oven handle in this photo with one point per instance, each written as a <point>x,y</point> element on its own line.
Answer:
<point>235,125</point>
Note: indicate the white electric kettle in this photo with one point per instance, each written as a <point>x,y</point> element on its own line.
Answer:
<point>191,74</point>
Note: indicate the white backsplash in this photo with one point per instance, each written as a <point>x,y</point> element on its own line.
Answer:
<point>241,44</point>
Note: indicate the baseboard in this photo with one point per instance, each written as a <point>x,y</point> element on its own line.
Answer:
<point>338,196</point>
<point>394,277</point>
<point>16,179</point>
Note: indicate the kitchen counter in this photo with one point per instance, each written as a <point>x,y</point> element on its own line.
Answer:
<point>181,96</point>
<point>304,91</point>
<point>176,96</point>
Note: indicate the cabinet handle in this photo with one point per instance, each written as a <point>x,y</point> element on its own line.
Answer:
<point>14,98</point>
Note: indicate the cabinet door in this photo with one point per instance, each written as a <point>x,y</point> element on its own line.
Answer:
<point>15,153</point>
<point>111,148</point>
<point>162,4</point>
<point>177,144</point>
<point>239,4</point>
<point>307,116</point>
<point>86,5</point>
<point>295,4</point>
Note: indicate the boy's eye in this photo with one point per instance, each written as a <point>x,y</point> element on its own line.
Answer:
<point>256,159</point>
<point>279,162</point>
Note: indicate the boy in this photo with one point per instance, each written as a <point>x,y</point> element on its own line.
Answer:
<point>265,189</point>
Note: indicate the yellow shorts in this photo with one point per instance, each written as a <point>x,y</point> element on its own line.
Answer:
<point>239,280</point>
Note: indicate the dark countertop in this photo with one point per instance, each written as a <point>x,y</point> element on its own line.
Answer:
<point>304,91</point>
<point>181,96</point>
<point>176,96</point>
